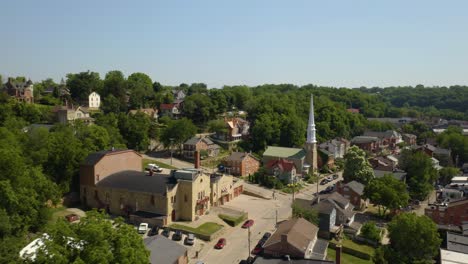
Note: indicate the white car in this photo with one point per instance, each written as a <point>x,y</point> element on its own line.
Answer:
<point>152,166</point>
<point>143,228</point>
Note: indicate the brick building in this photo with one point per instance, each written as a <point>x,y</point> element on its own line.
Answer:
<point>242,164</point>
<point>199,144</point>
<point>453,213</point>
<point>371,144</point>
<point>21,91</point>
<point>352,191</point>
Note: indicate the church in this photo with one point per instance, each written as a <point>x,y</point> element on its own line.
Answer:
<point>304,159</point>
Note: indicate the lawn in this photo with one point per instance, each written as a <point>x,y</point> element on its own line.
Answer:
<point>346,258</point>
<point>59,212</point>
<point>359,247</point>
<point>207,228</point>
<point>160,164</point>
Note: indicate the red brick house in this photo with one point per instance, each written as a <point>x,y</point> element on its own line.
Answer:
<point>242,164</point>
<point>352,191</point>
<point>409,139</point>
<point>198,144</point>
<point>453,213</point>
<point>371,144</point>
<point>22,91</point>
<point>283,169</point>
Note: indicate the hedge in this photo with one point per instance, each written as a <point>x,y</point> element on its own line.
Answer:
<point>233,220</point>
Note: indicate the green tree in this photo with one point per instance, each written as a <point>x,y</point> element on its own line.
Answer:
<point>357,167</point>
<point>140,87</point>
<point>388,193</point>
<point>217,126</point>
<point>114,85</point>
<point>95,239</point>
<point>177,132</point>
<point>370,231</point>
<point>421,174</point>
<point>82,84</point>
<point>446,174</point>
<point>310,215</point>
<point>421,231</point>
<point>198,107</point>
<point>135,130</point>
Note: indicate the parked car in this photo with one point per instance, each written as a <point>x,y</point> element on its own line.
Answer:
<point>221,243</point>
<point>152,166</point>
<point>190,239</point>
<point>258,248</point>
<point>266,236</point>
<point>248,223</point>
<point>329,178</point>
<point>143,228</point>
<point>154,231</point>
<point>166,232</point>
<point>177,236</point>
<point>324,181</point>
<point>335,176</point>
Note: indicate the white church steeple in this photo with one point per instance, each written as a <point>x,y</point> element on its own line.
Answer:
<point>311,125</point>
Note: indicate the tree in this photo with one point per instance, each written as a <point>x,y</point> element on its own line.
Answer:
<point>421,174</point>
<point>198,107</point>
<point>310,215</point>
<point>135,130</point>
<point>370,231</point>
<point>82,84</point>
<point>421,231</point>
<point>387,192</point>
<point>446,174</point>
<point>217,126</point>
<point>177,132</point>
<point>95,239</point>
<point>114,85</point>
<point>357,166</point>
<point>140,87</point>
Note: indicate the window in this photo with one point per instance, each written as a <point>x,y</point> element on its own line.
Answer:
<point>152,200</point>
<point>185,198</point>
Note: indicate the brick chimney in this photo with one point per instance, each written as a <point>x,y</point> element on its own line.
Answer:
<point>338,250</point>
<point>197,159</point>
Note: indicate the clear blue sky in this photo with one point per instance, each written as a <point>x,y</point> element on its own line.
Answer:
<point>337,43</point>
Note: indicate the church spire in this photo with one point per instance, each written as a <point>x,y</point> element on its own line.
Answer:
<point>311,126</point>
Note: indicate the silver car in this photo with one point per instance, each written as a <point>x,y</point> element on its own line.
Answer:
<point>190,239</point>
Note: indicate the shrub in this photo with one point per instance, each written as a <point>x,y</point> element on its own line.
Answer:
<point>370,231</point>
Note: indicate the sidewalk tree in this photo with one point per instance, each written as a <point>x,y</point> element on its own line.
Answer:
<point>357,167</point>
<point>388,193</point>
<point>421,173</point>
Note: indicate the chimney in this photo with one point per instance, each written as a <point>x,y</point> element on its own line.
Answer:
<point>338,254</point>
<point>284,238</point>
<point>197,159</point>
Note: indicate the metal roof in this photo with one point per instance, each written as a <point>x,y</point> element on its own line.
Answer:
<point>163,250</point>
<point>292,153</point>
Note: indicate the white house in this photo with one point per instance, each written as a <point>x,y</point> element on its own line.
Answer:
<point>94,100</point>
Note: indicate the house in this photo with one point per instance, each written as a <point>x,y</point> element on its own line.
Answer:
<point>409,139</point>
<point>282,169</point>
<point>179,94</point>
<point>353,191</point>
<point>453,213</point>
<point>296,238</point>
<point>94,101</point>
<point>66,114</point>
<point>382,163</point>
<point>337,147</point>
<point>173,110</point>
<point>242,164</point>
<point>449,194</point>
<point>237,129</point>
<point>296,155</point>
<point>444,156</point>
<point>114,180</point>
<point>151,112</point>
<point>165,251</point>
<point>371,144</point>
<point>21,91</point>
<point>399,175</point>
<point>198,144</point>
<point>224,188</point>
<point>285,260</point>
<point>436,163</point>
<point>388,139</point>
<point>325,158</point>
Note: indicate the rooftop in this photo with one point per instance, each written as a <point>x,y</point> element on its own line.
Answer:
<point>164,250</point>
<point>137,181</point>
<point>293,153</point>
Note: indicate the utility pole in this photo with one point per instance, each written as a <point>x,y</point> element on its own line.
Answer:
<point>276,222</point>
<point>172,141</point>
<point>248,256</point>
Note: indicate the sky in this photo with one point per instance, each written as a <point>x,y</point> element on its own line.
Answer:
<point>348,43</point>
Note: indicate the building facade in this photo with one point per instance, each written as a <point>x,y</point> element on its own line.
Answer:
<point>94,101</point>
<point>21,91</point>
<point>453,213</point>
<point>241,164</point>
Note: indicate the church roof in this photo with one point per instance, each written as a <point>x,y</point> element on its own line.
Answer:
<point>294,153</point>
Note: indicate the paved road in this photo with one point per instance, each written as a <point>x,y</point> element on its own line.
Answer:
<point>180,164</point>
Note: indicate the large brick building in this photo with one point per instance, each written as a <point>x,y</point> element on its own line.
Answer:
<point>242,164</point>
<point>114,180</point>
<point>453,213</point>
<point>21,91</point>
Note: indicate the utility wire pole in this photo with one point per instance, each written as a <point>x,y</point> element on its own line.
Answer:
<point>248,256</point>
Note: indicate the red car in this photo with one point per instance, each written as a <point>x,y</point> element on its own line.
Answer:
<point>258,248</point>
<point>221,243</point>
<point>248,223</point>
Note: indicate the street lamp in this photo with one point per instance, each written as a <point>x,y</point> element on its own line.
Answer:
<point>172,142</point>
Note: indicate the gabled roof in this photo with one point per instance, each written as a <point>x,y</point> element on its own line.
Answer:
<point>137,181</point>
<point>95,157</point>
<point>339,199</point>
<point>364,139</point>
<point>356,187</point>
<point>164,250</point>
<point>239,156</point>
<point>442,151</point>
<point>385,134</point>
<point>192,141</point>
<point>299,233</point>
<point>281,152</point>
<point>167,106</point>
<point>283,164</point>
<point>429,147</point>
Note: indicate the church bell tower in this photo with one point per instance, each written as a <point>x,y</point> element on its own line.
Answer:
<point>311,142</point>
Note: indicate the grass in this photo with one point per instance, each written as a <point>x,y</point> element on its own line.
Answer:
<point>233,220</point>
<point>346,258</point>
<point>359,247</point>
<point>207,228</point>
<point>58,212</point>
<point>160,164</point>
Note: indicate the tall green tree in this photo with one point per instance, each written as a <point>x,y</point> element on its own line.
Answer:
<point>95,239</point>
<point>135,130</point>
<point>82,84</point>
<point>177,132</point>
<point>421,231</point>
<point>388,193</point>
<point>141,88</point>
<point>357,167</point>
<point>198,107</point>
<point>446,174</point>
<point>421,174</point>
